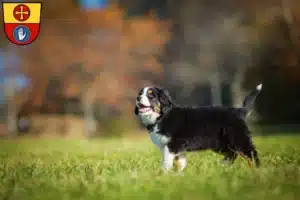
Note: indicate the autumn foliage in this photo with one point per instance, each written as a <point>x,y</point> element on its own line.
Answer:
<point>103,57</point>
<point>94,54</point>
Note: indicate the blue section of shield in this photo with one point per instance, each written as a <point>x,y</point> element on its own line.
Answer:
<point>21,34</point>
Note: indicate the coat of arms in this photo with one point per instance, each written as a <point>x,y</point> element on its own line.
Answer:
<point>21,21</point>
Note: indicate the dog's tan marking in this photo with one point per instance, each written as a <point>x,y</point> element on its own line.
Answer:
<point>250,163</point>
<point>180,162</point>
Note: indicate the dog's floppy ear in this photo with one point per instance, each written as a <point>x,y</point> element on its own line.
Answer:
<point>136,110</point>
<point>164,99</point>
<point>164,96</point>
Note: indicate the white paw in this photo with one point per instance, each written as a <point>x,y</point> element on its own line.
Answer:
<point>168,159</point>
<point>181,163</point>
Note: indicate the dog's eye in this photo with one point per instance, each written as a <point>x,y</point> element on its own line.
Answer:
<point>150,93</point>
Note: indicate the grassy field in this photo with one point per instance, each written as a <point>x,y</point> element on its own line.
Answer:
<point>130,169</point>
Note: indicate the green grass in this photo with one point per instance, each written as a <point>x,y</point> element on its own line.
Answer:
<point>130,169</point>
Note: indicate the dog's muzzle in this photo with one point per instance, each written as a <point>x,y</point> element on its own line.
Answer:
<point>144,109</point>
<point>148,114</point>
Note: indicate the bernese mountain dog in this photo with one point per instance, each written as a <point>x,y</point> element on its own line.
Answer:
<point>178,129</point>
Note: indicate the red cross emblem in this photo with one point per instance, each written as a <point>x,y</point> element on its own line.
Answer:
<point>21,12</point>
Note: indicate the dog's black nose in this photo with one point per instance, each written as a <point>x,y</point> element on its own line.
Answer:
<point>138,98</point>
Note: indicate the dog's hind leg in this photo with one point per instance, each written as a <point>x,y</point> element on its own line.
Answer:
<point>225,149</point>
<point>251,157</point>
<point>249,153</point>
<point>229,157</point>
<point>241,143</point>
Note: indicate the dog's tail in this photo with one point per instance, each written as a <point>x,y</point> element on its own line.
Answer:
<point>246,108</point>
<point>249,100</point>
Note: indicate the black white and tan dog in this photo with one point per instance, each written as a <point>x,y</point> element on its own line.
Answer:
<point>178,129</point>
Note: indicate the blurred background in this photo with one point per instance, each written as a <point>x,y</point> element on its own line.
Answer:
<point>81,76</point>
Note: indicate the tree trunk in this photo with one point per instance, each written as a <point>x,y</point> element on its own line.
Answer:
<point>10,92</point>
<point>236,88</point>
<point>89,119</point>
<point>216,90</point>
<point>287,6</point>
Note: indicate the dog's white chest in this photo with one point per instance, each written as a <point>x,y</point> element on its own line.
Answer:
<point>158,139</point>
<point>149,118</point>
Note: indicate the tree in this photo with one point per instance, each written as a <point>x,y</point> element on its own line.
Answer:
<point>113,53</point>
<point>11,73</point>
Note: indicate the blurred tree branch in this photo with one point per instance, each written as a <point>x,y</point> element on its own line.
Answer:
<point>288,15</point>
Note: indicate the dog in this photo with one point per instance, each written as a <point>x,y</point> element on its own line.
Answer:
<point>178,129</point>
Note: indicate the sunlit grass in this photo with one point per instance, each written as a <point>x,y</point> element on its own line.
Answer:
<point>130,169</point>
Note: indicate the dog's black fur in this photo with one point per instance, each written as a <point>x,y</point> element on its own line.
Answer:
<point>221,129</point>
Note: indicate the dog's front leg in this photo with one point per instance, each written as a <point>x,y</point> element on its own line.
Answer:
<point>168,158</point>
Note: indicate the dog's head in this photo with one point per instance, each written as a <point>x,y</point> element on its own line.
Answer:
<point>152,102</point>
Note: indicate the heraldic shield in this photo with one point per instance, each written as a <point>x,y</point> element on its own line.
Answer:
<point>21,21</point>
